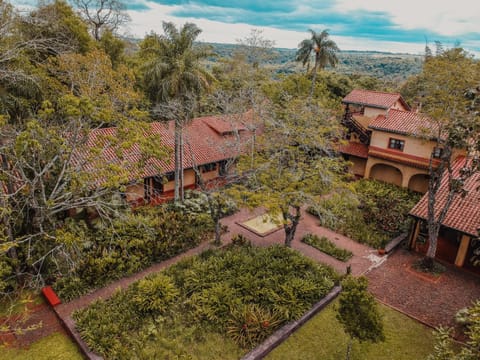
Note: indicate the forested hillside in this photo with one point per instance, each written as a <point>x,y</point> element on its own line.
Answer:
<point>382,65</point>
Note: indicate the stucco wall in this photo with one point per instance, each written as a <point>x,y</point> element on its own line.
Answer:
<point>398,105</point>
<point>373,112</point>
<point>134,192</point>
<point>210,175</point>
<point>413,146</point>
<point>358,165</point>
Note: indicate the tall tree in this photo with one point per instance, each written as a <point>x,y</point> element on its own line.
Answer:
<point>296,163</point>
<point>324,50</point>
<point>102,15</point>
<point>175,75</point>
<point>447,91</point>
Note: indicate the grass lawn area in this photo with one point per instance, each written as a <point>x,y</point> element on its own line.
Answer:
<point>323,338</point>
<point>54,347</point>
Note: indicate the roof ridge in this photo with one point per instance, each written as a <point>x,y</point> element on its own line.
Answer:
<point>379,92</point>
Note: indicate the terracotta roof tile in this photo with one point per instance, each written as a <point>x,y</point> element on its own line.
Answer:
<point>355,149</point>
<point>405,123</point>
<point>206,140</point>
<point>464,213</point>
<point>378,99</point>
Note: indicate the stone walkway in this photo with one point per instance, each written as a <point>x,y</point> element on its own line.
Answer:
<point>363,258</point>
<point>431,300</point>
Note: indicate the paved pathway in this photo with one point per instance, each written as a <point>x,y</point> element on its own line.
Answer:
<point>363,258</point>
<point>432,300</point>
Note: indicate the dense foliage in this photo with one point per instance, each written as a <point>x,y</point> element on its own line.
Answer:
<point>377,213</point>
<point>242,293</point>
<point>470,350</point>
<point>358,312</point>
<point>327,246</point>
<point>130,244</point>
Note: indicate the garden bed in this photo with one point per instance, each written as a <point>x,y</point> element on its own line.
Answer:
<point>218,305</point>
<point>373,214</point>
<point>327,246</point>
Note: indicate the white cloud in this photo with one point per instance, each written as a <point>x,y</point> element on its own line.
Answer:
<point>214,31</point>
<point>444,17</point>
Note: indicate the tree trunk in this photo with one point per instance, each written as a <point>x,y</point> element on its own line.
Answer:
<point>435,216</point>
<point>314,77</point>
<point>218,238</point>
<point>178,163</point>
<point>291,228</point>
<point>11,252</point>
<point>349,349</point>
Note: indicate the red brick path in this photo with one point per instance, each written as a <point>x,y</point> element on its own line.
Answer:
<point>433,301</point>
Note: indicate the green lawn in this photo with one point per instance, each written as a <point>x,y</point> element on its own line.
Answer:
<point>54,347</point>
<point>323,338</point>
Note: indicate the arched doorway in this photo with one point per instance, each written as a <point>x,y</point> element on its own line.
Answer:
<point>419,183</point>
<point>386,173</point>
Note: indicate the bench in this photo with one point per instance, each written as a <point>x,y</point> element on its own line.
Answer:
<point>50,296</point>
<point>392,244</point>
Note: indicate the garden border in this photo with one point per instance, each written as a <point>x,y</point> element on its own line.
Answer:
<point>283,333</point>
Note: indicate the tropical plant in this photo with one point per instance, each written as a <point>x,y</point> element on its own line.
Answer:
<point>324,50</point>
<point>470,350</point>
<point>358,312</point>
<point>174,79</point>
<point>327,246</point>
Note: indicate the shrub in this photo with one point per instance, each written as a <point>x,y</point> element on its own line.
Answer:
<point>219,291</point>
<point>154,295</point>
<point>327,246</point>
<point>128,245</point>
<point>377,213</point>
<point>250,324</point>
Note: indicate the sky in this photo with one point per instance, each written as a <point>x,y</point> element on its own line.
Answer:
<point>379,25</point>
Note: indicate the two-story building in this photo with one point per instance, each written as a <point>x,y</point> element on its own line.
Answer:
<point>387,141</point>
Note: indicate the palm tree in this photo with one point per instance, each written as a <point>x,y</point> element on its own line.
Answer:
<point>325,53</point>
<point>174,76</point>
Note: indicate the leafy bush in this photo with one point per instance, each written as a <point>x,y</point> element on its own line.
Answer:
<point>326,246</point>
<point>219,291</point>
<point>377,213</point>
<point>251,324</point>
<point>128,245</point>
<point>196,202</point>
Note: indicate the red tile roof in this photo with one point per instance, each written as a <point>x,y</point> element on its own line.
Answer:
<point>464,213</point>
<point>377,99</point>
<point>223,126</point>
<point>405,123</point>
<point>206,140</point>
<point>355,149</point>
<point>401,157</point>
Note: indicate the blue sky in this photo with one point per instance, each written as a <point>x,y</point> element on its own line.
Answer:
<point>382,25</point>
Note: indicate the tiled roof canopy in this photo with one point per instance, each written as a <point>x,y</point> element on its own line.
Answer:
<point>464,213</point>
<point>206,140</point>
<point>356,149</point>
<point>371,98</point>
<point>405,123</point>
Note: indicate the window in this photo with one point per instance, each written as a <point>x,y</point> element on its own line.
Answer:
<point>396,144</point>
<point>209,167</point>
<point>437,152</point>
<point>169,176</point>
